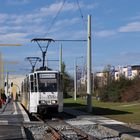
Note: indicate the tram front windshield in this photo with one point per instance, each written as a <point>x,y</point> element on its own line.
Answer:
<point>47,84</point>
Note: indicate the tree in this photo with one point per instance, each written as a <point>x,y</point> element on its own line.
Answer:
<point>114,90</point>
<point>67,81</point>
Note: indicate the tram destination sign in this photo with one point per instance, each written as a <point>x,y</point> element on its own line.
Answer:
<point>47,75</point>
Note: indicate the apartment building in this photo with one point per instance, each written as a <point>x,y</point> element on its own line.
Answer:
<point>129,72</point>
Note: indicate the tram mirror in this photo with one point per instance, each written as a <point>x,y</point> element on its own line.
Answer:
<point>11,84</point>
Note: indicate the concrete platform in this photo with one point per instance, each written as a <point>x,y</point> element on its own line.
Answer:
<point>12,132</point>
<point>12,116</point>
<point>126,133</point>
<point>13,113</point>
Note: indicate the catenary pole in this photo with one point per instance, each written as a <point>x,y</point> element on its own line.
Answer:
<point>89,67</point>
<point>60,59</point>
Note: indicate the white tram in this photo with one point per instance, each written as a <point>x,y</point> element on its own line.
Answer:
<point>42,92</point>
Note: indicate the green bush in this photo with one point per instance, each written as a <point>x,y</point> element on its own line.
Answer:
<point>113,91</point>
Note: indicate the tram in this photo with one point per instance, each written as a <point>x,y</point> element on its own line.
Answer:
<point>42,92</point>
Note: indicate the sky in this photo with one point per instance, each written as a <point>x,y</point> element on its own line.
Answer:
<point>115,32</point>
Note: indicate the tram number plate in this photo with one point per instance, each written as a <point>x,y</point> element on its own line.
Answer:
<point>47,75</point>
<point>52,97</point>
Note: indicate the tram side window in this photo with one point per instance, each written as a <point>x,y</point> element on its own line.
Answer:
<point>32,86</point>
<point>27,84</point>
<point>22,87</point>
<point>35,83</point>
<point>31,83</point>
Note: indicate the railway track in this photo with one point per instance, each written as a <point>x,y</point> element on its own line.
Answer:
<point>62,126</point>
<point>60,130</point>
<point>57,129</point>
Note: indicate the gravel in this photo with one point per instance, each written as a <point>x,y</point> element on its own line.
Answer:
<point>37,132</point>
<point>93,130</point>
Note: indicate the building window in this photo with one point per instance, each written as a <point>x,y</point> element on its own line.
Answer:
<point>124,73</point>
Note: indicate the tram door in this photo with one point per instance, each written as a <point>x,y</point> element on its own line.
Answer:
<point>33,94</point>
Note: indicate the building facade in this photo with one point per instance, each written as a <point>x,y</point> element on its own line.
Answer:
<point>129,72</point>
<point>15,88</point>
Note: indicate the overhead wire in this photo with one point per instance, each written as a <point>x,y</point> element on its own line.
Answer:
<point>59,11</point>
<point>81,13</point>
<point>57,14</point>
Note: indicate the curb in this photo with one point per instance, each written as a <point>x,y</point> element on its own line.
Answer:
<point>122,131</point>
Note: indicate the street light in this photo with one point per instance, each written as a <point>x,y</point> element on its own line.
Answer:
<point>75,76</point>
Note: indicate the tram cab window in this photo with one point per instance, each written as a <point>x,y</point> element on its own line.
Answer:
<point>47,84</point>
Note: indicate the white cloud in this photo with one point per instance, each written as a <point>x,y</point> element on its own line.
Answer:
<point>92,5</point>
<point>62,26</point>
<point>137,17</point>
<point>3,17</point>
<point>22,26</point>
<point>68,7</point>
<point>105,33</point>
<point>82,34</point>
<point>13,38</point>
<point>37,16</point>
<point>17,2</point>
<point>130,27</point>
<point>67,22</point>
<point>73,34</point>
<point>53,8</point>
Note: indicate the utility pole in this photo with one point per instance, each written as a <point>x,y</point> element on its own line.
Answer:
<point>89,67</point>
<point>75,79</point>
<point>75,76</point>
<point>60,59</point>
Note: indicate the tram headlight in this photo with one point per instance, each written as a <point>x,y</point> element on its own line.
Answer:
<point>53,101</point>
<point>42,102</point>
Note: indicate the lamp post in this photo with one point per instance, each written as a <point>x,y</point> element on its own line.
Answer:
<point>75,76</point>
